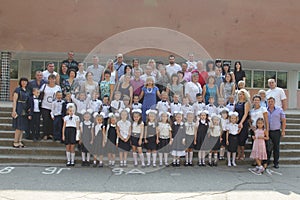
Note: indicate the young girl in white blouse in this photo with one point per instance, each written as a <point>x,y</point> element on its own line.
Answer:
<point>163,138</point>
<point>70,129</point>
<point>191,129</point>
<point>224,121</point>
<point>232,138</point>
<point>137,136</point>
<point>123,140</point>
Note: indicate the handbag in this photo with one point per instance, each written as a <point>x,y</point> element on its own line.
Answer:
<point>42,93</point>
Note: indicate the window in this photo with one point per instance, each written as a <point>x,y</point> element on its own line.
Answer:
<point>14,66</point>
<point>282,79</point>
<point>248,78</point>
<point>36,66</point>
<point>258,79</point>
<point>268,75</point>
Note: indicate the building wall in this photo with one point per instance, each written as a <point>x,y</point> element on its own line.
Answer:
<point>236,29</point>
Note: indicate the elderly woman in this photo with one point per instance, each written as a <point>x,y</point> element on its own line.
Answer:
<point>242,107</point>
<point>20,111</point>
<point>49,91</point>
<point>193,88</point>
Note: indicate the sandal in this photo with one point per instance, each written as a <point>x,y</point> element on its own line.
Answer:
<point>15,146</point>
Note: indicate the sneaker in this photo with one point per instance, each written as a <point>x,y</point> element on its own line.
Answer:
<point>260,170</point>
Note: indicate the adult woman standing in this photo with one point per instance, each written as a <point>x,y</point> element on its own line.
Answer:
<point>113,72</point>
<point>21,107</point>
<point>242,107</point>
<point>227,87</point>
<point>49,91</point>
<point>125,88</point>
<point>89,86</point>
<point>63,73</point>
<point>106,86</point>
<point>210,90</point>
<point>239,74</point>
<point>193,88</point>
<point>70,84</point>
<point>174,88</point>
<point>150,93</point>
<point>226,69</point>
<point>127,71</point>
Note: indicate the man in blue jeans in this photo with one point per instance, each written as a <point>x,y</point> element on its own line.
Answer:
<point>277,124</point>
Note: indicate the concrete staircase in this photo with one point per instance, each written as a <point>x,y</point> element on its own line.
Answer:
<point>49,152</point>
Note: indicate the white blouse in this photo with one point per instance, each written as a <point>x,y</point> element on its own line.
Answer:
<point>124,128</point>
<point>233,128</point>
<point>190,128</point>
<point>98,127</point>
<point>164,130</point>
<point>71,120</point>
<point>136,128</point>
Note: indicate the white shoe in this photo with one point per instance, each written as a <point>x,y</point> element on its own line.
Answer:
<point>229,164</point>
<point>233,164</point>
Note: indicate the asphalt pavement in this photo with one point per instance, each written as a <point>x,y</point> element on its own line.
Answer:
<point>222,182</point>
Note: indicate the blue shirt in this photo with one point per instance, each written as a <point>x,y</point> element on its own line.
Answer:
<point>120,68</point>
<point>275,118</point>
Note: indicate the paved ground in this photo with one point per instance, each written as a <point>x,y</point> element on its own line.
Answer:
<point>29,182</point>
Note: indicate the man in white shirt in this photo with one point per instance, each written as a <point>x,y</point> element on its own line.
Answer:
<point>172,67</point>
<point>96,69</point>
<point>277,93</point>
<point>49,71</point>
<point>192,64</point>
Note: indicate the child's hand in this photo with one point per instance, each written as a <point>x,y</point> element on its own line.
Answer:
<point>63,138</point>
<point>240,125</point>
<point>80,141</point>
<point>91,142</point>
<point>227,142</point>
<point>140,142</point>
<point>221,139</point>
<point>171,141</point>
<point>253,137</point>
<point>157,141</point>
<point>146,141</point>
<point>52,118</point>
<point>29,117</point>
<point>195,142</point>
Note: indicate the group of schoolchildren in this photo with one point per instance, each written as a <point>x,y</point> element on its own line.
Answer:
<point>104,128</point>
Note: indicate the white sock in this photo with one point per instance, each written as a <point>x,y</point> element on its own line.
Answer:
<point>166,157</point>
<point>216,157</point>
<point>68,156</point>
<point>209,157</point>
<point>83,156</point>
<point>88,157</point>
<point>228,157</point>
<point>233,157</point>
<point>154,157</point>
<point>142,158</point>
<point>160,155</point>
<point>199,156</point>
<point>203,156</point>
<point>222,152</point>
<point>186,157</point>
<point>190,157</point>
<point>95,161</point>
<point>148,157</point>
<point>72,158</point>
<point>134,154</point>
